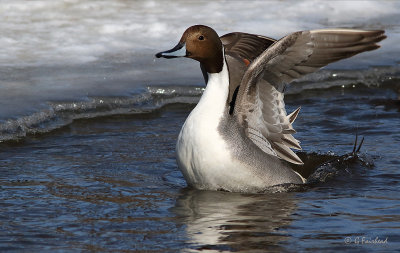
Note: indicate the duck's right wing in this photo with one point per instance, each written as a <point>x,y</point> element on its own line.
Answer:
<point>259,106</point>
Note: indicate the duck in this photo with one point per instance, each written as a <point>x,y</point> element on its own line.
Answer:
<point>239,137</point>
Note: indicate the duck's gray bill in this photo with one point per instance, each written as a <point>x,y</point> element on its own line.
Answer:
<point>178,51</point>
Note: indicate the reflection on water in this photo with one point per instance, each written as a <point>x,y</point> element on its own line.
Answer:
<point>232,221</point>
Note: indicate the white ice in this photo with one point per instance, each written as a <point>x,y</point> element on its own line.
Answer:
<point>72,49</point>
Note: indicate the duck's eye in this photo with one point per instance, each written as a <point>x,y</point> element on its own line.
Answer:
<point>201,37</point>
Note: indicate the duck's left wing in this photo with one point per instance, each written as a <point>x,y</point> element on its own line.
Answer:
<point>245,46</point>
<point>259,106</point>
<point>240,50</point>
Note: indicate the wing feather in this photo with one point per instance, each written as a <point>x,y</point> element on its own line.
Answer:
<point>259,104</point>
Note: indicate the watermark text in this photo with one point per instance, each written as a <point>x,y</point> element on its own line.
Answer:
<point>366,240</point>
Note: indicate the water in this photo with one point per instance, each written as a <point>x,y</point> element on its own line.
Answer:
<point>89,120</point>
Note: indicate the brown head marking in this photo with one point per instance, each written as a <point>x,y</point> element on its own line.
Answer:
<point>204,45</point>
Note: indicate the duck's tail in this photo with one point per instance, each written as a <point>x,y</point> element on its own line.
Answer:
<point>355,149</point>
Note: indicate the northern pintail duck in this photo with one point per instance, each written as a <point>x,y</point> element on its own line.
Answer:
<point>239,136</point>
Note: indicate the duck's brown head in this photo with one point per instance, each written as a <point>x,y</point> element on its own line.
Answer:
<point>200,43</point>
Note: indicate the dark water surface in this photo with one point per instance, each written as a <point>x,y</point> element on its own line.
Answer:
<point>112,184</point>
<point>89,121</point>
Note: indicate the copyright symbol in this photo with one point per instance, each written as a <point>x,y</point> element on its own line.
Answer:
<point>347,240</point>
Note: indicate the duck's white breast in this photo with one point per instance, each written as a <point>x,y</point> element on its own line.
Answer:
<point>203,155</point>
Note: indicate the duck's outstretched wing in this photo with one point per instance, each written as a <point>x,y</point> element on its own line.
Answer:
<point>259,106</point>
